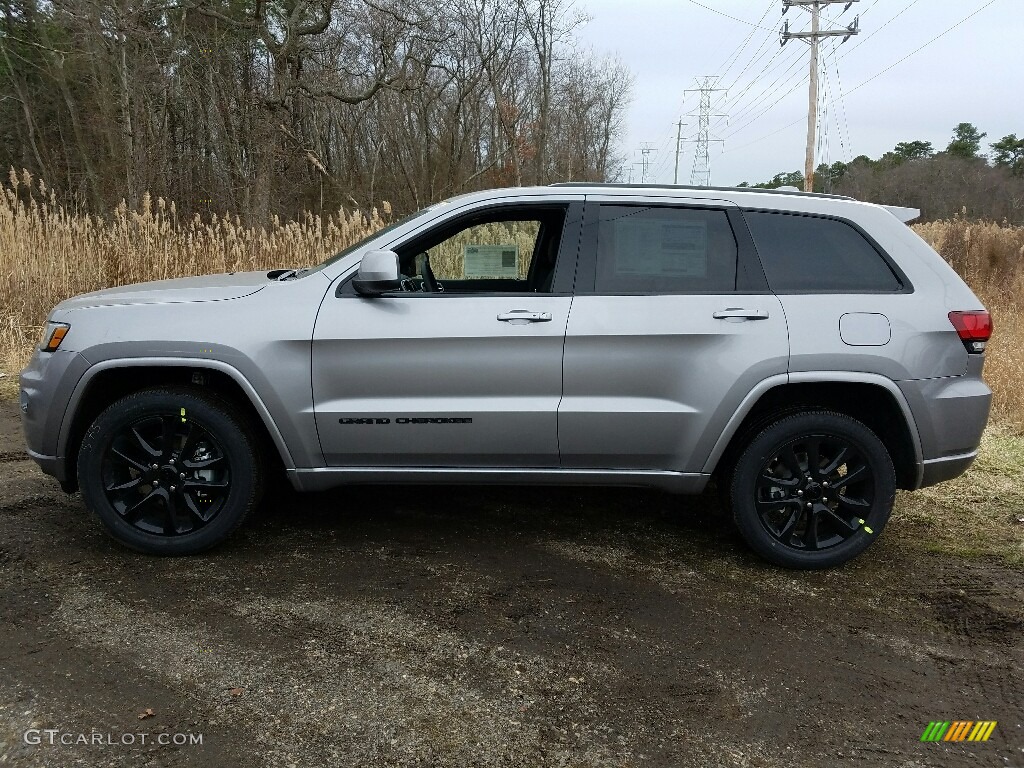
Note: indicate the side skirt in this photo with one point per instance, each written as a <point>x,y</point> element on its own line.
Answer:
<point>322,478</point>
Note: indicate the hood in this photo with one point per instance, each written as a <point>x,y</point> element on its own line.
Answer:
<point>233,285</point>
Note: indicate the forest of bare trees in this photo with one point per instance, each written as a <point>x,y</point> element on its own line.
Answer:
<point>264,107</point>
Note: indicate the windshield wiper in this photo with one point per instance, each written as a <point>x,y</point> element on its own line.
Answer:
<point>285,274</point>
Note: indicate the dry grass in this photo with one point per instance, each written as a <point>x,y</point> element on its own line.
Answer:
<point>49,253</point>
<point>980,513</point>
<point>990,257</point>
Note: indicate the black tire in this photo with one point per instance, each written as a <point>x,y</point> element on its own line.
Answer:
<point>170,471</point>
<point>789,495</point>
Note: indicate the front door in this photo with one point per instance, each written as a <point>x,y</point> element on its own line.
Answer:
<point>463,368</point>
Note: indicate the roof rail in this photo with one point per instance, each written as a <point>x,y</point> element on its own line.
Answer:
<point>757,190</point>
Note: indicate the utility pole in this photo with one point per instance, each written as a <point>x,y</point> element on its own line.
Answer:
<point>814,8</point>
<point>701,175</point>
<point>679,138</point>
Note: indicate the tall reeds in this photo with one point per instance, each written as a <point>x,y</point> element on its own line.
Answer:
<point>48,253</point>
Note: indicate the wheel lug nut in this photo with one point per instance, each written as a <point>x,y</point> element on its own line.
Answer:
<point>825,483</point>
<point>182,475</point>
<point>809,505</point>
<point>799,493</point>
<point>154,466</point>
<point>156,483</point>
<point>173,489</point>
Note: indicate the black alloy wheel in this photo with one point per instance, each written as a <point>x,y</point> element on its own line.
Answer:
<point>812,490</point>
<point>812,494</point>
<point>171,470</point>
<point>166,474</point>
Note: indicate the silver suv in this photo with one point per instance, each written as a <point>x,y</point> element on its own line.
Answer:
<point>808,352</point>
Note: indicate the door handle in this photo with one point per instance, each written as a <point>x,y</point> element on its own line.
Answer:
<point>521,316</point>
<point>736,314</point>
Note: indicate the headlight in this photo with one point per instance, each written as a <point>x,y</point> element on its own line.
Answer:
<point>53,335</point>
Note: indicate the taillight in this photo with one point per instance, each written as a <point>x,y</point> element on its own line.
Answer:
<point>973,328</point>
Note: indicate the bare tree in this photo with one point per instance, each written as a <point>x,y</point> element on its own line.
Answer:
<point>258,106</point>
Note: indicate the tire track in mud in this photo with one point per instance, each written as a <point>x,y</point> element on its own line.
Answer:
<point>371,683</point>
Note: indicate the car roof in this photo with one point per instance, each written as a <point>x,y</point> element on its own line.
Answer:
<point>784,199</point>
<point>604,187</point>
<point>745,194</point>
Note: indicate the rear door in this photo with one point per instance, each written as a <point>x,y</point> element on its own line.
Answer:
<point>671,327</point>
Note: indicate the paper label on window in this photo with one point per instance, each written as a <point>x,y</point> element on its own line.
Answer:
<point>651,247</point>
<point>491,261</point>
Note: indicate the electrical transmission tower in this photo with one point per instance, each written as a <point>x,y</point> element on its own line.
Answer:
<point>701,175</point>
<point>645,160</point>
<point>814,8</point>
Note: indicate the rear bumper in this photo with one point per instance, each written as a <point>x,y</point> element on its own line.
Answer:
<point>951,414</point>
<point>939,470</point>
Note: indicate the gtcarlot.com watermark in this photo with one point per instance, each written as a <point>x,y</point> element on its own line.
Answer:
<point>57,737</point>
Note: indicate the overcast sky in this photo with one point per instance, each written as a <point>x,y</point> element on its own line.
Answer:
<point>974,73</point>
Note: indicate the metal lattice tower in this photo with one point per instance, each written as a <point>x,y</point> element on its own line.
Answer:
<point>701,175</point>
<point>645,162</point>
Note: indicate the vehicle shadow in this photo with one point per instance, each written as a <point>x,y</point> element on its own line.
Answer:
<point>405,514</point>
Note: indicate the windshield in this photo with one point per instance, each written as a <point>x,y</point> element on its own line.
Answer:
<point>362,243</point>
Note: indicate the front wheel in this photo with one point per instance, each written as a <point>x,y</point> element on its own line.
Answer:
<point>812,490</point>
<point>170,471</point>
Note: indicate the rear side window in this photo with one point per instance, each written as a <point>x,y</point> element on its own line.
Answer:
<point>806,253</point>
<point>664,250</point>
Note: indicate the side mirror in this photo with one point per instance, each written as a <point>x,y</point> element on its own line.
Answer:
<point>378,273</point>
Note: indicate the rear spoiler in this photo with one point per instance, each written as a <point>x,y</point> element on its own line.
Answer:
<point>906,215</point>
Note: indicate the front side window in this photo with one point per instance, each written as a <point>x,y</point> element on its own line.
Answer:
<point>808,253</point>
<point>644,249</point>
<point>501,251</point>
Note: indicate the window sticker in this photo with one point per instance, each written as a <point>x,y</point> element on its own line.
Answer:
<point>496,261</point>
<point>646,247</point>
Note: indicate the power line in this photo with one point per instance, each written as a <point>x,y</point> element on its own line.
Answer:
<point>720,13</point>
<point>916,50</point>
<point>732,103</point>
<point>825,134</point>
<point>890,21</point>
<point>873,77</point>
<point>731,60</point>
<point>865,11</point>
<point>766,136</point>
<point>767,95</point>
<point>844,144</point>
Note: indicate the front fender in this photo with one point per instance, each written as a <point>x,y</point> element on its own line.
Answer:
<point>273,415</point>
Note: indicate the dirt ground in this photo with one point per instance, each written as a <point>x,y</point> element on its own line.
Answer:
<point>490,627</point>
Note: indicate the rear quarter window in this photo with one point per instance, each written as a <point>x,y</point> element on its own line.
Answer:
<point>812,254</point>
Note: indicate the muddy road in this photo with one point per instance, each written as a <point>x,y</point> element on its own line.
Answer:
<point>489,627</point>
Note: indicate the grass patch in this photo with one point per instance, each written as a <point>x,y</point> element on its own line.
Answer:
<point>979,513</point>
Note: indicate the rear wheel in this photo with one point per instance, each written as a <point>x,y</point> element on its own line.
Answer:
<point>812,490</point>
<point>170,471</point>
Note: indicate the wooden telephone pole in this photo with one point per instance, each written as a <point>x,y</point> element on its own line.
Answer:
<point>814,8</point>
